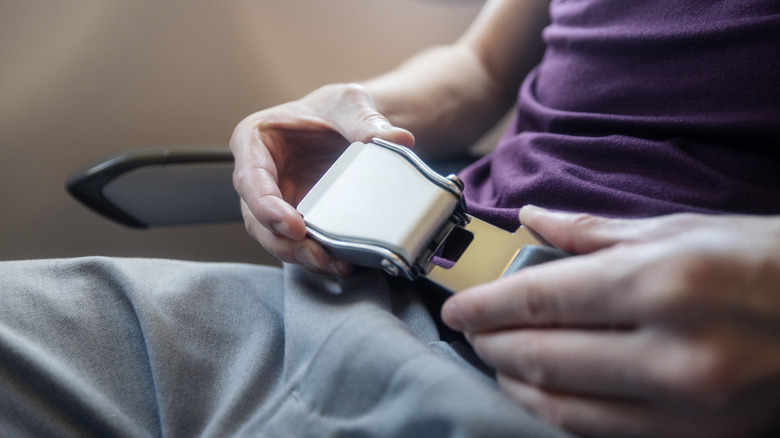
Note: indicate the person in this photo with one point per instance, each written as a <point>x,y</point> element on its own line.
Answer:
<point>644,143</point>
<point>664,116</point>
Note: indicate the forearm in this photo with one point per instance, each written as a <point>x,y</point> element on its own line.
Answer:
<point>443,96</point>
<point>448,96</point>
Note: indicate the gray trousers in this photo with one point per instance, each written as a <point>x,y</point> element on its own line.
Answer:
<point>141,347</point>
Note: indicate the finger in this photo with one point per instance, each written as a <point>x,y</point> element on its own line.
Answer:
<point>307,252</point>
<point>647,366</point>
<point>335,267</point>
<point>595,363</point>
<point>576,291</point>
<point>589,416</point>
<point>256,181</point>
<point>586,416</point>
<point>600,417</point>
<point>354,116</point>
<point>304,252</point>
<point>581,233</point>
<point>373,124</point>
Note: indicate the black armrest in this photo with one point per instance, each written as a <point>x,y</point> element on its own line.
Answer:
<point>161,186</point>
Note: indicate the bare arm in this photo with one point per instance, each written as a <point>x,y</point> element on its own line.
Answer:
<point>448,96</point>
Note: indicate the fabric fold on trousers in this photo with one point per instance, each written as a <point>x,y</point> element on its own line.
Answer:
<point>143,347</point>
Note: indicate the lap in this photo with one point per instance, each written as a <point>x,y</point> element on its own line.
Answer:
<point>151,347</point>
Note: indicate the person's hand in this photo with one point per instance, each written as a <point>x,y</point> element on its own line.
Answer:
<point>282,152</point>
<point>663,327</point>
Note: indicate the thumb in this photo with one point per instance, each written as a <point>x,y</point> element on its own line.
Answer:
<point>373,124</point>
<point>578,233</point>
<point>354,114</point>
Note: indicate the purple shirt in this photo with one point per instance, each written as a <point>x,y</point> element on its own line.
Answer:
<point>643,108</point>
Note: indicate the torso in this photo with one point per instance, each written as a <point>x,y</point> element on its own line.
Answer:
<point>641,109</point>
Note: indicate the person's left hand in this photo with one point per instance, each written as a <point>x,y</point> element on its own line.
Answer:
<point>662,327</point>
<point>281,152</point>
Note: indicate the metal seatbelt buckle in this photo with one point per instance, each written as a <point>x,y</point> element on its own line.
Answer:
<point>380,206</point>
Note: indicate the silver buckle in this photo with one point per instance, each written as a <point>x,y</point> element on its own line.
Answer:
<point>380,206</point>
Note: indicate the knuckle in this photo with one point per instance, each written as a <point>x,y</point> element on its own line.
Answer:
<point>588,232</point>
<point>365,123</point>
<point>695,374</point>
<point>240,177</point>
<point>584,220</point>
<point>240,128</point>
<point>543,404</point>
<point>530,363</point>
<point>548,409</point>
<point>349,91</point>
<point>536,305</point>
<point>345,94</point>
<point>711,377</point>
<point>662,369</point>
<point>670,288</point>
<point>254,181</point>
<point>689,273</point>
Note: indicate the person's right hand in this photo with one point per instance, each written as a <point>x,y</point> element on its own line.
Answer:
<point>281,152</point>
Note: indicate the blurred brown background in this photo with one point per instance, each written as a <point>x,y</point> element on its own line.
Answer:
<point>84,79</point>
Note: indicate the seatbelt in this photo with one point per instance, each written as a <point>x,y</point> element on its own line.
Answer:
<point>380,206</point>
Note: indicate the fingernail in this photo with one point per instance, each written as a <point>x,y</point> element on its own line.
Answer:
<point>305,256</point>
<point>282,228</point>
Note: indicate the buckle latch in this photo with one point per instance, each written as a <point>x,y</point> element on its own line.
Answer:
<point>380,206</point>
